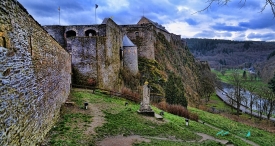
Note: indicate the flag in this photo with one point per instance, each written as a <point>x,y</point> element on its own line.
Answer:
<point>96,5</point>
<point>58,8</point>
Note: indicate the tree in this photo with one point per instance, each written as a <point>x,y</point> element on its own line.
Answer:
<point>237,82</point>
<point>270,3</point>
<point>174,91</point>
<point>270,95</point>
<point>251,89</point>
<point>271,84</point>
<point>231,100</point>
<point>244,75</point>
<point>208,80</point>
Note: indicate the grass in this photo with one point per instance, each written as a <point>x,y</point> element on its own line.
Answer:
<point>216,102</point>
<point>226,78</point>
<point>124,120</point>
<point>68,131</point>
<point>258,136</point>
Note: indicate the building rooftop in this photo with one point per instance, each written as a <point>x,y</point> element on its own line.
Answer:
<point>127,42</point>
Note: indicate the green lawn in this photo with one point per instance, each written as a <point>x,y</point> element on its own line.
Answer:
<point>122,120</point>
<point>226,78</point>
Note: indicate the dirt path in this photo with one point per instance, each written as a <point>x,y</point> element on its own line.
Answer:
<point>208,137</point>
<point>122,141</point>
<point>98,118</point>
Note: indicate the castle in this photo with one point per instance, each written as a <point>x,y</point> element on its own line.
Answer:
<point>37,65</point>
<point>100,51</point>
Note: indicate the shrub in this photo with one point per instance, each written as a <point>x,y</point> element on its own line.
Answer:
<point>129,94</point>
<point>194,116</point>
<point>177,110</point>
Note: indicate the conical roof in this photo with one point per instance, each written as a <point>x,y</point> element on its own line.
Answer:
<point>127,42</point>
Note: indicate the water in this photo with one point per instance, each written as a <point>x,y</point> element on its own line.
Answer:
<point>246,100</point>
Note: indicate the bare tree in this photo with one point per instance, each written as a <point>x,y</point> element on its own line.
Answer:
<point>269,3</point>
<point>237,82</point>
<point>251,89</point>
<point>269,101</point>
<point>208,85</point>
<point>231,100</point>
<point>260,105</point>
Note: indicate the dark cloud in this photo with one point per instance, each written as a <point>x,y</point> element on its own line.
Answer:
<point>266,36</point>
<point>224,27</point>
<point>264,21</point>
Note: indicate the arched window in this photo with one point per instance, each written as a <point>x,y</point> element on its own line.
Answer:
<point>137,34</point>
<point>90,32</point>
<point>70,33</point>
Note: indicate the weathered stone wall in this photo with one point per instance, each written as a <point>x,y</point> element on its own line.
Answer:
<point>130,59</point>
<point>109,57</point>
<point>166,34</point>
<point>143,36</point>
<point>84,58</point>
<point>57,32</point>
<point>94,57</point>
<point>34,77</point>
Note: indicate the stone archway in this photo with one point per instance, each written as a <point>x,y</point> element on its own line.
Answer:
<point>70,33</point>
<point>90,32</point>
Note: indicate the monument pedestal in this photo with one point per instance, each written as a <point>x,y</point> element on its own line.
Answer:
<point>147,113</point>
<point>145,108</point>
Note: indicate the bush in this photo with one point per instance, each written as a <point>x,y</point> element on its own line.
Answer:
<point>129,94</point>
<point>177,110</point>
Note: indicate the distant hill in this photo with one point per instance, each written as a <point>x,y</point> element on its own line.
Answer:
<point>234,54</point>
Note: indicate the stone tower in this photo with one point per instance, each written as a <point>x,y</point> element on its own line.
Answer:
<point>130,56</point>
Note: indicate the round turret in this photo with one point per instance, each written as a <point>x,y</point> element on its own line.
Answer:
<point>130,56</point>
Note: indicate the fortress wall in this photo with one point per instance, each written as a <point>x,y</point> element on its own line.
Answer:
<point>34,77</point>
<point>176,40</point>
<point>108,56</point>
<point>166,34</point>
<point>80,29</point>
<point>57,32</point>
<point>84,59</point>
<point>143,37</point>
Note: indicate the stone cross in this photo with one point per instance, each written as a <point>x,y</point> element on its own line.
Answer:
<point>146,95</point>
<point>145,104</point>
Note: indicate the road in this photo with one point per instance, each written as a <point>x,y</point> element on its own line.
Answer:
<point>244,109</point>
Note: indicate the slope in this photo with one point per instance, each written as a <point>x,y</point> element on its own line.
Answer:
<point>122,124</point>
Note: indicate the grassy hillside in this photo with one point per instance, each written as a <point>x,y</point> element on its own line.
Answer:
<point>107,120</point>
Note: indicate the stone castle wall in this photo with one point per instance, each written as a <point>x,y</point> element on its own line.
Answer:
<point>34,77</point>
<point>57,32</point>
<point>142,36</point>
<point>131,59</point>
<point>109,57</point>
<point>96,56</point>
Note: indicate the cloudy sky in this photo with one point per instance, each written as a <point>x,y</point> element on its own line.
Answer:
<point>235,21</point>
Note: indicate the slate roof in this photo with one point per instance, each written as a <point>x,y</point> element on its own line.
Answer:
<point>127,42</point>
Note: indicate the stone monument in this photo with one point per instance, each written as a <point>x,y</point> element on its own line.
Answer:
<point>145,103</point>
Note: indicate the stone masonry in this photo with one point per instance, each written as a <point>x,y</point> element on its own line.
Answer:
<point>95,52</point>
<point>35,77</point>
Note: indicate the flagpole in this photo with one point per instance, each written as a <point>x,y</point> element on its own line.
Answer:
<point>59,14</point>
<point>95,12</point>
